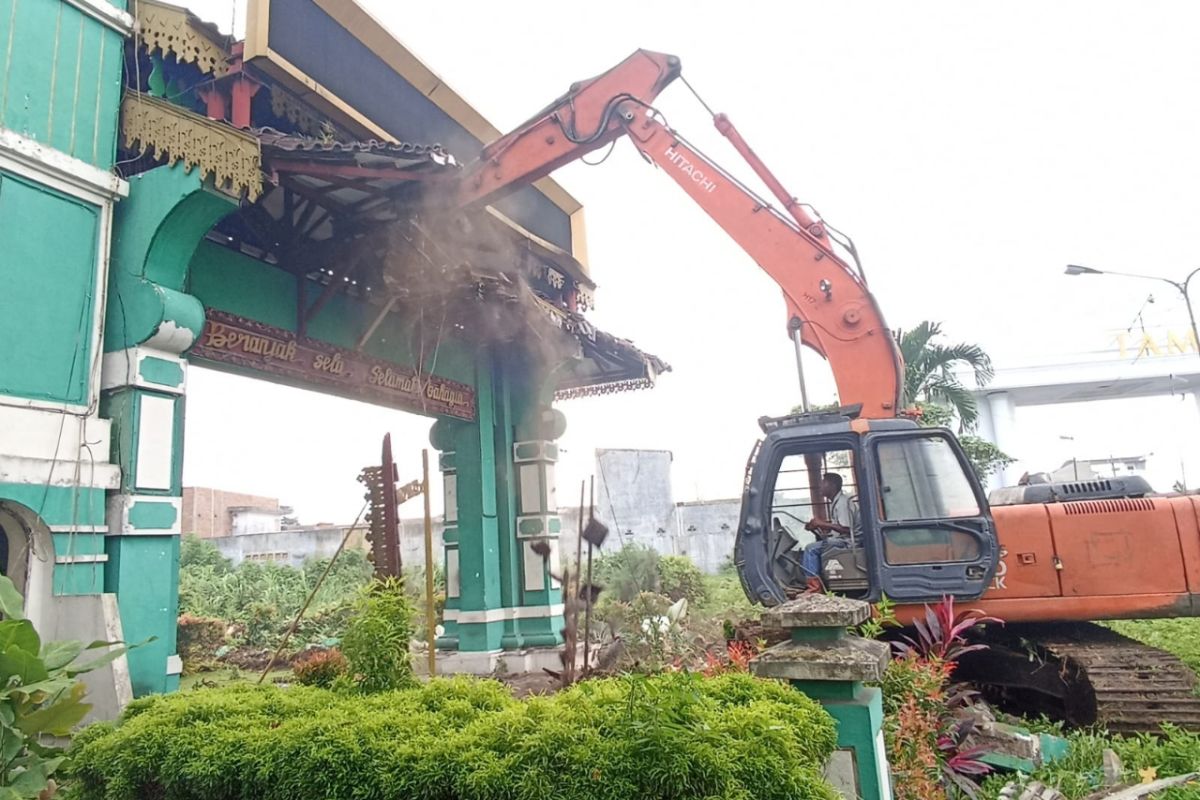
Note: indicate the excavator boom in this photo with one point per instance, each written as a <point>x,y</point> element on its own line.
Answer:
<point>827,301</point>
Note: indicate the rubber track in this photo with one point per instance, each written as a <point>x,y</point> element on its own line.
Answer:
<point>1137,687</point>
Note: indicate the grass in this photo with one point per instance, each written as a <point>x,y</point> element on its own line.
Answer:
<point>1081,772</point>
<point>230,676</point>
<point>724,596</point>
<point>1180,637</point>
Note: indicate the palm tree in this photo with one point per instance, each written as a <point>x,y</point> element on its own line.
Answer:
<point>929,370</point>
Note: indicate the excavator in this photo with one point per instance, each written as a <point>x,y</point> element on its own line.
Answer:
<point>1049,561</point>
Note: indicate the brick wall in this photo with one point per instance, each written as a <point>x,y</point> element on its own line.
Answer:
<point>206,511</point>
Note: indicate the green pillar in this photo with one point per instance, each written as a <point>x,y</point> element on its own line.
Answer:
<point>499,500</point>
<point>828,665</point>
<point>150,323</point>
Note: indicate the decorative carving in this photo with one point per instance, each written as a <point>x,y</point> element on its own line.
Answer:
<point>170,29</point>
<point>587,300</point>
<point>232,157</point>
<point>555,278</point>
<point>285,106</point>
<point>603,388</point>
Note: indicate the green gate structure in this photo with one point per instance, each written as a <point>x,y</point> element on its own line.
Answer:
<point>169,196</point>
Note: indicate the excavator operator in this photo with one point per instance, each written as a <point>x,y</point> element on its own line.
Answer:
<point>838,532</point>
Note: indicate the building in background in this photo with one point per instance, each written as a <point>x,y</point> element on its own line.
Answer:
<point>210,513</point>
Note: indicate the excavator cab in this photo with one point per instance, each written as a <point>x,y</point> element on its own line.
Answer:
<point>920,527</point>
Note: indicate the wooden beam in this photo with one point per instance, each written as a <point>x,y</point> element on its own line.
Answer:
<point>375,323</point>
<point>345,171</point>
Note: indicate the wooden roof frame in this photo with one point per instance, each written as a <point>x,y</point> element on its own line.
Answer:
<point>358,21</point>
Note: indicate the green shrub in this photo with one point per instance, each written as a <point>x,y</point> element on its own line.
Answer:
<point>197,552</point>
<point>378,637</point>
<point>679,578</point>
<point>261,600</point>
<point>672,736</point>
<point>627,572</point>
<point>320,668</point>
<point>198,639</point>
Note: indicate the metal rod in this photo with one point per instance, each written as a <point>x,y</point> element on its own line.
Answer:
<point>579,545</point>
<point>311,595</point>
<point>800,370</point>
<point>587,602</point>
<point>430,617</point>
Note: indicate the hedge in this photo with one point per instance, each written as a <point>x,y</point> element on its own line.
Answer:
<point>674,736</point>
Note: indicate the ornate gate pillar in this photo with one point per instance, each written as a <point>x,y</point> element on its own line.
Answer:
<point>150,323</point>
<point>498,480</point>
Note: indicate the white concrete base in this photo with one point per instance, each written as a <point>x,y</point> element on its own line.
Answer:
<point>534,659</point>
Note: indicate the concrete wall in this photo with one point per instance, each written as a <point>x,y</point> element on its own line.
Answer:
<point>633,498</point>
<point>206,511</point>
<point>294,547</point>
<point>254,520</point>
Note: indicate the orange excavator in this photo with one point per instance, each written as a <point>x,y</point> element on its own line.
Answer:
<point>1048,564</point>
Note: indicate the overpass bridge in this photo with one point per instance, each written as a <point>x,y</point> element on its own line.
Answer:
<point>1145,368</point>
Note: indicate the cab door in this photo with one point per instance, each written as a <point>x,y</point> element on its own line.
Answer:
<point>926,517</point>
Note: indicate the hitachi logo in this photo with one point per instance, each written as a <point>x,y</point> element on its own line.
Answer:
<point>697,176</point>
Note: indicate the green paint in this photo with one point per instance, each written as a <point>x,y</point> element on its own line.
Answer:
<point>510,553</point>
<point>478,548</point>
<point>230,281</point>
<point>49,246</point>
<point>541,631</point>
<point>224,279</point>
<point>530,527</point>
<point>829,690</point>
<point>62,85</point>
<point>147,515</point>
<point>121,409</point>
<point>155,232</point>
<point>859,721</point>
<point>143,571</point>
<point>58,505</point>
<point>161,371</point>
<point>555,525</point>
<point>817,634</point>
<point>78,544</point>
<point>475,637</point>
<point>79,578</point>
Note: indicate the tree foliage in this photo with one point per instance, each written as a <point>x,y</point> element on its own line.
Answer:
<point>984,456</point>
<point>929,370</point>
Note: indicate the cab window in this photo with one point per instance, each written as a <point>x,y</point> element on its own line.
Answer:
<point>922,480</point>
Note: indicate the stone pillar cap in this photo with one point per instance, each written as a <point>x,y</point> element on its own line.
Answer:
<point>817,611</point>
<point>848,659</point>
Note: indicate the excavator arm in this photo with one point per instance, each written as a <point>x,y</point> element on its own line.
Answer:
<point>827,300</point>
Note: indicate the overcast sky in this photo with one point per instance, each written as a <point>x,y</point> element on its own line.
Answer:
<point>971,150</point>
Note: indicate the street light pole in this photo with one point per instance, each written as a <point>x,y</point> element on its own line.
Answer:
<point>1181,286</point>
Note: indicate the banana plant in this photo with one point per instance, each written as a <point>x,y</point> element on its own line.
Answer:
<point>41,696</point>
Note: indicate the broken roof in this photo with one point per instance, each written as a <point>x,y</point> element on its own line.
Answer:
<point>344,214</point>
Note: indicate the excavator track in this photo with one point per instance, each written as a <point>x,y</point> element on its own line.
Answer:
<point>1086,674</point>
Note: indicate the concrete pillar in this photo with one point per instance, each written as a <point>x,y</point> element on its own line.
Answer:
<point>830,666</point>
<point>1002,415</point>
<point>150,323</point>
<point>143,397</point>
<point>500,506</point>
